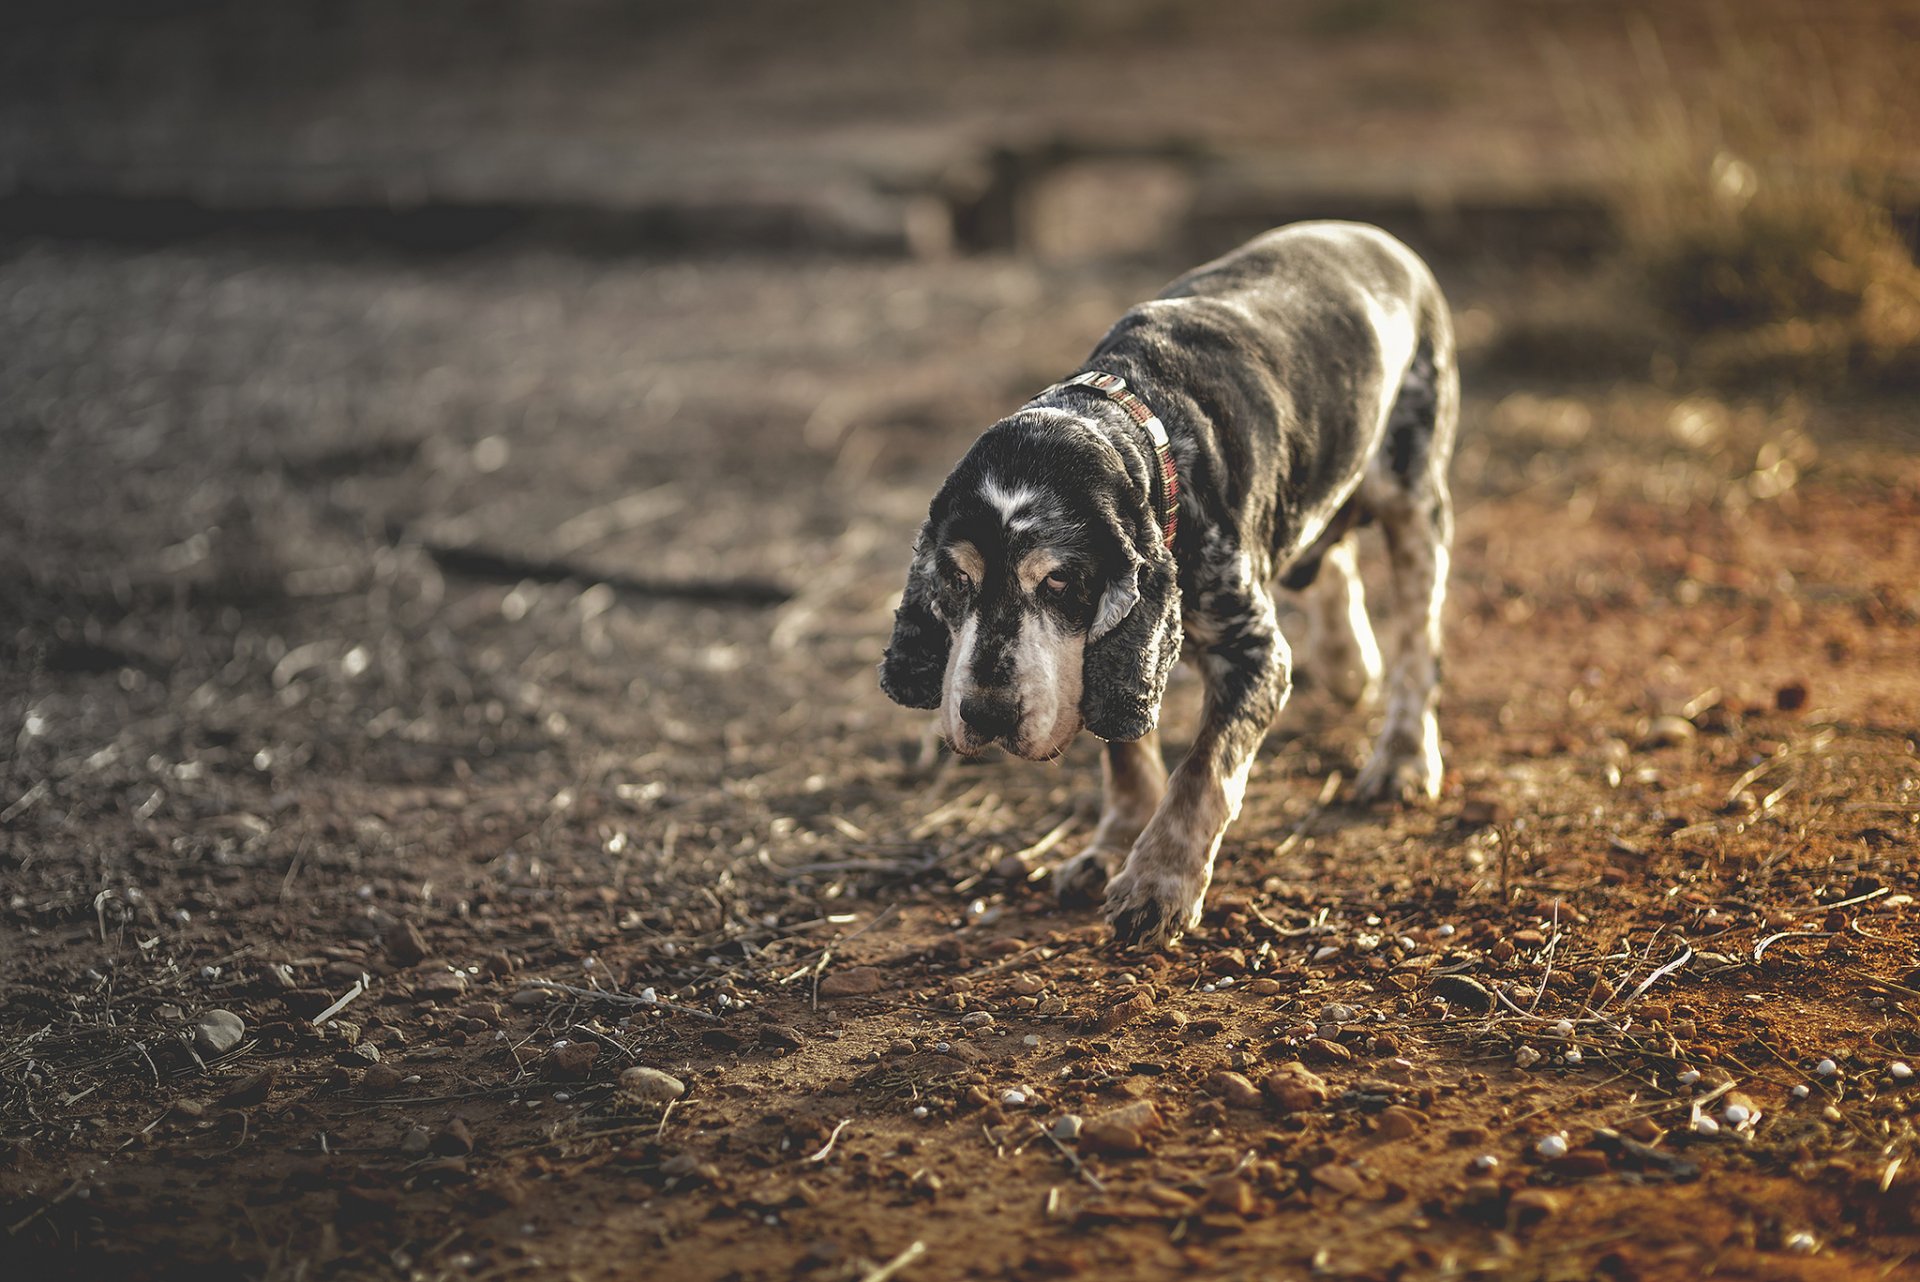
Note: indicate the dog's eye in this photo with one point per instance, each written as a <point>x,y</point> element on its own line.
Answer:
<point>961,579</point>
<point>1056,583</point>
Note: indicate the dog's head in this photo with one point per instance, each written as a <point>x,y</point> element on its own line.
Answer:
<point>1040,599</point>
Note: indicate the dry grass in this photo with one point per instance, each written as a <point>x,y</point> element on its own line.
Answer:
<point>1756,205</point>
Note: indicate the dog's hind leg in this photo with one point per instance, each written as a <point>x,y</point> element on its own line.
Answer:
<point>1136,778</point>
<point>1405,489</point>
<point>1341,653</point>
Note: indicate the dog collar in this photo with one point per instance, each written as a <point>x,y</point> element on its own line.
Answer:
<point>1167,502</point>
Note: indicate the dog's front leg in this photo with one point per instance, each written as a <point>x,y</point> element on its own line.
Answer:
<point>1136,780</point>
<point>1247,670</point>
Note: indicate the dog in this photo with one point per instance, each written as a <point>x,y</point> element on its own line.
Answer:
<point>1230,434</point>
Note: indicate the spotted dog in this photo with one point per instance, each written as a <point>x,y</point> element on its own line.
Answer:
<point>1229,435</point>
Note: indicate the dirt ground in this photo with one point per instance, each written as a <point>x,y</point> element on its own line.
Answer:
<point>461,672</point>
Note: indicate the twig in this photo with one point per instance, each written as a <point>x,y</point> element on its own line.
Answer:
<point>1553,943</point>
<point>1073,1160</point>
<point>359,987</point>
<point>620,999</point>
<point>897,1263</point>
<point>827,1148</point>
<point>1686,955</point>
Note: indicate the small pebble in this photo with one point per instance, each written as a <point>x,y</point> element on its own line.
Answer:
<point>1801,1091</point>
<point>1900,1069</point>
<point>1325,951</point>
<point>976,1019</point>
<point>1013,1099</point>
<point>651,1086</point>
<point>1690,1077</point>
<point>1704,1125</point>
<point>1802,1243</point>
<point>1574,1056</point>
<point>1553,1146</point>
<point>1334,1012</point>
<point>919,1111</point>
<point>217,1032</point>
<point>941,1048</point>
<point>1486,1162</point>
<point>1563,1028</point>
<point>1030,1040</point>
<point>1736,1114</point>
<point>1526,1057</point>
<point>1826,1068</point>
<point>1067,1127</point>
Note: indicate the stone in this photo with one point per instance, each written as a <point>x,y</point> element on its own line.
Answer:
<point>1459,990</point>
<point>217,1032</point>
<point>856,981</point>
<point>1234,1088</point>
<point>572,1062</point>
<point>1529,1206</point>
<point>1104,1136</point>
<point>404,944</point>
<point>1397,1122</point>
<point>380,1079</point>
<point>651,1086</point>
<point>781,1035</point>
<point>453,1141</point>
<point>1231,1194</point>
<point>1327,1051</point>
<point>1294,1088</point>
<point>1124,1012</point>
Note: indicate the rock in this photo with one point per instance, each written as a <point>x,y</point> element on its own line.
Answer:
<point>1459,990</point>
<point>1644,1129</point>
<point>380,1079</point>
<point>217,1032</point>
<point>404,944</point>
<point>1027,984</point>
<point>187,1110</point>
<point>781,1035</point>
<point>1104,1136</point>
<point>1791,697</point>
<point>1066,1128</point>
<point>1339,1177</point>
<point>1140,1115</point>
<point>856,981</point>
<point>1294,1088</point>
<point>455,1141</point>
<point>441,986</point>
<point>1397,1122</point>
<point>528,998</point>
<point>1124,1012</point>
<point>1582,1163</point>
<point>1165,1195</point>
<point>1234,1088</point>
<point>496,964</point>
<point>1529,1206</point>
<point>1264,986</point>
<point>651,1086</point>
<point>416,1142</point>
<point>1325,1051</point>
<point>572,1062</point>
<point>250,1090</point>
<point>1231,1194</point>
<point>976,1019</point>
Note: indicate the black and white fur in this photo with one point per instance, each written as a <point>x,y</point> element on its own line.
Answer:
<point>1307,382</point>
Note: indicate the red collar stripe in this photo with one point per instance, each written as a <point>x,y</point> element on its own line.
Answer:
<point>1114,388</point>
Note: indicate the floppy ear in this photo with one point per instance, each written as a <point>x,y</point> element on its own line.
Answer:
<point>915,666</point>
<point>1124,671</point>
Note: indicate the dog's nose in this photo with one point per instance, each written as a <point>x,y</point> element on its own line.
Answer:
<point>988,717</point>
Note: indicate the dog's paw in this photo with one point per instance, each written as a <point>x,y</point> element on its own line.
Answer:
<point>1079,882</point>
<point>1151,908</point>
<point>1409,775</point>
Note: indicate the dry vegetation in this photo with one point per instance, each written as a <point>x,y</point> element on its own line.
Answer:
<point>1756,199</point>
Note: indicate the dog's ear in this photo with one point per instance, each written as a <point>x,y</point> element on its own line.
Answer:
<point>1131,650</point>
<point>915,666</point>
